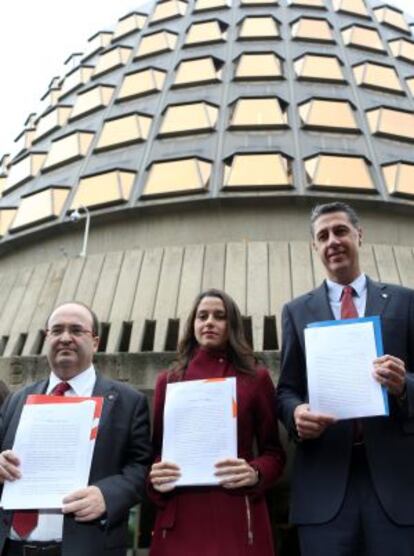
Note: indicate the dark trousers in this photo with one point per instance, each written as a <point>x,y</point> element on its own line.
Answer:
<point>361,527</point>
<point>27,548</point>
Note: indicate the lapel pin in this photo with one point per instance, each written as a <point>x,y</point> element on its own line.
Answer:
<point>384,295</point>
<point>111,396</point>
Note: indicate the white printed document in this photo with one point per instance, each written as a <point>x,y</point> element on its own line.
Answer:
<point>339,361</point>
<point>200,427</point>
<point>54,442</point>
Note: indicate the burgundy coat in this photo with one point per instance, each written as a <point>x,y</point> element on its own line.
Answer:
<point>213,521</point>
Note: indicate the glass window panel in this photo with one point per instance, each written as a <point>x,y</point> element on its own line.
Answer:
<point>6,218</point>
<point>258,113</point>
<point>392,17</point>
<point>392,123</point>
<point>410,83</point>
<point>40,207</point>
<point>337,172</point>
<point>108,188</point>
<point>111,60</point>
<point>362,37</point>
<point>259,28</point>
<point>399,178</point>
<point>139,83</point>
<point>52,121</point>
<point>312,30</point>
<point>94,99</point>
<point>258,2</point>
<point>168,10</point>
<point>403,49</point>
<point>354,7</point>
<point>201,70</point>
<point>376,76</point>
<point>205,32</point>
<point>319,68</point>
<point>189,118</point>
<point>202,5</point>
<point>328,114</point>
<point>308,3</point>
<point>50,99</point>
<point>23,142</point>
<point>190,175</point>
<point>68,149</point>
<point>129,24</point>
<point>259,66</point>
<point>76,79</point>
<point>26,168</point>
<point>157,43</point>
<point>258,170</point>
<point>128,129</point>
<point>97,42</point>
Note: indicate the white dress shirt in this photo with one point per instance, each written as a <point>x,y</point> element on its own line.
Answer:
<point>50,524</point>
<point>359,297</point>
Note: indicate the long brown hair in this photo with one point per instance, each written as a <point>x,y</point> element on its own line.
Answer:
<point>239,352</point>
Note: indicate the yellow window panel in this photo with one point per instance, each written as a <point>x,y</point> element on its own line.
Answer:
<point>76,79</point>
<point>259,113</point>
<point>40,207</point>
<point>392,17</point>
<point>410,83</point>
<point>328,114</point>
<point>308,3</point>
<point>53,120</point>
<point>186,119</point>
<point>258,66</point>
<point>24,141</point>
<point>259,28</point>
<point>354,7</point>
<point>112,59</point>
<point>97,42</point>
<point>202,5</point>
<point>403,49</point>
<point>205,32</point>
<point>391,123</point>
<point>362,37</point>
<point>319,68</point>
<point>376,76</point>
<point>261,170</point>
<point>198,71</point>
<point>125,130</point>
<point>108,188</point>
<point>189,175</point>
<point>312,30</point>
<point>6,218</point>
<point>339,172</point>
<point>142,82</point>
<point>25,169</point>
<point>399,178</point>
<point>168,10</point>
<point>157,43</point>
<point>94,99</point>
<point>129,24</point>
<point>68,149</point>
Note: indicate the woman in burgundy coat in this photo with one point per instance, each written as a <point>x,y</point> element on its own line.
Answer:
<point>230,519</point>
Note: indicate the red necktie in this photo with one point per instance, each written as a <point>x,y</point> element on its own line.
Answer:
<point>349,311</point>
<point>24,521</point>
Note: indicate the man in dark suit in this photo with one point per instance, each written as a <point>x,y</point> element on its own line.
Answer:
<point>352,484</point>
<point>93,520</point>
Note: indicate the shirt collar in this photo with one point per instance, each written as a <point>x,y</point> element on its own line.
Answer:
<point>335,289</point>
<point>81,384</point>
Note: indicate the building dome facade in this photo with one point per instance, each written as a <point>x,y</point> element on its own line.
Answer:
<point>197,137</point>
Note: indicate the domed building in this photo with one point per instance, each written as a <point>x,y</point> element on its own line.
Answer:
<point>183,150</point>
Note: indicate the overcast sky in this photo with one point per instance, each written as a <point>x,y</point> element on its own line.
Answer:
<point>38,36</point>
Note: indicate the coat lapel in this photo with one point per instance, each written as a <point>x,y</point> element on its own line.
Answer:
<point>318,305</point>
<point>378,297</point>
<point>104,388</point>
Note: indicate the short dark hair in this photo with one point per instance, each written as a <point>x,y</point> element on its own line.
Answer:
<point>328,208</point>
<point>95,320</point>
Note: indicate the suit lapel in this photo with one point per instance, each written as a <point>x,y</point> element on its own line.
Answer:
<point>318,305</point>
<point>104,388</point>
<point>378,297</point>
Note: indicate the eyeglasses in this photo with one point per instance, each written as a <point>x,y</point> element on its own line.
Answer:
<point>73,331</point>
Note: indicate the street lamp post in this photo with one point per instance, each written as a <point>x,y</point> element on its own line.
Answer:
<point>75,216</point>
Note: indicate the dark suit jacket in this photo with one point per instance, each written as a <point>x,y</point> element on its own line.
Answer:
<point>121,456</point>
<point>321,465</point>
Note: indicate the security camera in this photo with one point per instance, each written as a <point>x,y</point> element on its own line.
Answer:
<point>75,216</point>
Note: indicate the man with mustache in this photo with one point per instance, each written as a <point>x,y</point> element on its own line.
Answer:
<point>352,485</point>
<point>93,520</point>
